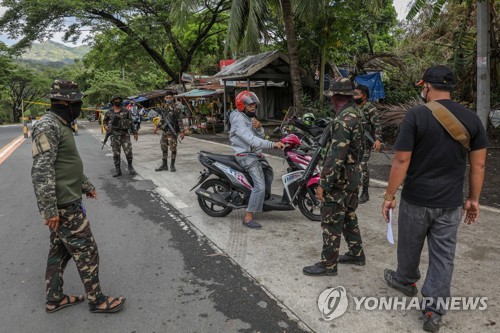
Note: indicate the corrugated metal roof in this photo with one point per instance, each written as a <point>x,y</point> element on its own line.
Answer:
<point>272,65</point>
<point>199,93</point>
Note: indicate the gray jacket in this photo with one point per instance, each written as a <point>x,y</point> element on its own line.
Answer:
<point>244,138</point>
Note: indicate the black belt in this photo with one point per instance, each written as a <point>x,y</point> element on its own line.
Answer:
<point>70,204</point>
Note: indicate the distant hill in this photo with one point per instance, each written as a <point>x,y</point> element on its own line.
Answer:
<point>54,54</point>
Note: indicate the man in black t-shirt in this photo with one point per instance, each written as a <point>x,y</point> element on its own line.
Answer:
<point>432,197</point>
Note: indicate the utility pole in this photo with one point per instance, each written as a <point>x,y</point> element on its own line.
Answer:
<point>483,61</point>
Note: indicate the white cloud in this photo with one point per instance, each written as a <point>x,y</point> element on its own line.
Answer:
<point>402,8</point>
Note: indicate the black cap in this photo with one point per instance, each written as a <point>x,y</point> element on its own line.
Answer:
<point>439,75</point>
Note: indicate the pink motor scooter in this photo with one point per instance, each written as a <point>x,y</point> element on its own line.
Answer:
<point>225,185</point>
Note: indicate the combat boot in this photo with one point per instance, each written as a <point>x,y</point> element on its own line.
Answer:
<point>118,171</point>
<point>163,166</point>
<point>131,169</point>
<point>349,258</point>
<point>364,197</point>
<point>172,165</point>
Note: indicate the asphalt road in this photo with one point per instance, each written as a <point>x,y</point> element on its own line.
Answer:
<point>175,280</point>
<point>9,133</point>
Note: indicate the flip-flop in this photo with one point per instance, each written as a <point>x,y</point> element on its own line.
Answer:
<point>94,308</point>
<point>58,306</point>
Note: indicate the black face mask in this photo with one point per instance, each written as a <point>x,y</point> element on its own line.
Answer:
<point>67,112</point>
<point>250,114</point>
<point>117,103</point>
<point>358,100</point>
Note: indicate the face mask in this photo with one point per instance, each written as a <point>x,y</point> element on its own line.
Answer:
<point>250,114</point>
<point>76,109</point>
<point>67,112</point>
<point>424,98</point>
<point>117,103</point>
<point>358,100</point>
<point>169,101</point>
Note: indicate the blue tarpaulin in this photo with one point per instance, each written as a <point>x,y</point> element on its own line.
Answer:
<point>374,82</point>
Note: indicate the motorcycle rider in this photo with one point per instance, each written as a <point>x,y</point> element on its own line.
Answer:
<point>247,139</point>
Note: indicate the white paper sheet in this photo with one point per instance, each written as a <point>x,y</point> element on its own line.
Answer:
<point>390,236</point>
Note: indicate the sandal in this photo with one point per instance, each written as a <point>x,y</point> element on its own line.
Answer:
<point>94,308</point>
<point>58,306</point>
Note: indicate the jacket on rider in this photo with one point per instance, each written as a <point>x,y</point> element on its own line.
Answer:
<point>244,138</point>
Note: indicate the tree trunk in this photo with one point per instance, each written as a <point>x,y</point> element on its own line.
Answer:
<point>322,76</point>
<point>286,7</point>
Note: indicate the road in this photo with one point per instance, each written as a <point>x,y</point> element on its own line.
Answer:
<point>174,278</point>
<point>183,271</point>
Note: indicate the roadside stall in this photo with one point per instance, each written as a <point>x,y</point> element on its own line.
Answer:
<point>204,110</point>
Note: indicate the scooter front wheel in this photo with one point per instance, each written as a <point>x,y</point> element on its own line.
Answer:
<point>308,204</point>
<point>211,209</point>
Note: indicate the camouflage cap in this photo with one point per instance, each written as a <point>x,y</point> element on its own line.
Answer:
<point>340,86</point>
<point>66,91</point>
<point>115,97</point>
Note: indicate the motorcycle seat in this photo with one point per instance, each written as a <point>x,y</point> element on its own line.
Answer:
<point>229,160</point>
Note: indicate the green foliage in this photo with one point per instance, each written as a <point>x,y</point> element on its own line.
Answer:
<point>106,84</point>
<point>149,25</point>
<point>25,86</point>
<point>4,118</point>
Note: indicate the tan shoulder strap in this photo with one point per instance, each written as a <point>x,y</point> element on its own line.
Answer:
<point>451,123</point>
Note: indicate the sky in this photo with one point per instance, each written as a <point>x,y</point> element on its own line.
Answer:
<point>401,7</point>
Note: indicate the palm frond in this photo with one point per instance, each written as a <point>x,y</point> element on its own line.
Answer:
<point>415,9</point>
<point>379,61</point>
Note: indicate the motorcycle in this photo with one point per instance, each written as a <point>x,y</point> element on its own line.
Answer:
<point>231,185</point>
<point>309,134</point>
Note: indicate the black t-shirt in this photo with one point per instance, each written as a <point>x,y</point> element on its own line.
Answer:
<point>435,176</point>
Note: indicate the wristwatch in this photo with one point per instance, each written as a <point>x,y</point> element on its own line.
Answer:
<point>388,197</point>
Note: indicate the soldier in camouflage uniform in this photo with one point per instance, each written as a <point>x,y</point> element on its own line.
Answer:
<point>339,183</point>
<point>59,182</point>
<point>119,122</point>
<point>171,113</point>
<point>371,124</point>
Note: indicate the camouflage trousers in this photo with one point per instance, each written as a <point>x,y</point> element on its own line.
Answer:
<point>338,216</point>
<point>168,140</point>
<point>365,170</point>
<point>118,142</point>
<point>73,239</point>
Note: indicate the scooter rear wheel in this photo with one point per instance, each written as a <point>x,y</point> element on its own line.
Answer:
<point>211,209</point>
<point>307,206</point>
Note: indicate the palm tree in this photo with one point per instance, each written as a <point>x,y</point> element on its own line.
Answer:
<point>247,26</point>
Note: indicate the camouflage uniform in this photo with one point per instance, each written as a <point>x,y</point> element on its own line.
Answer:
<point>371,124</point>
<point>168,138</point>
<point>121,125</point>
<point>340,180</point>
<point>59,182</point>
